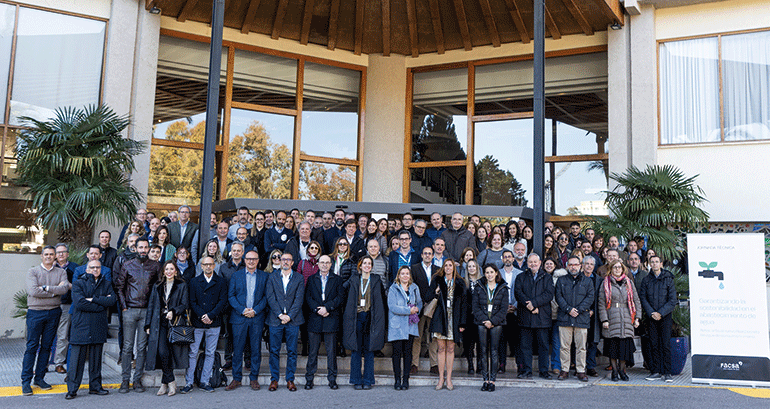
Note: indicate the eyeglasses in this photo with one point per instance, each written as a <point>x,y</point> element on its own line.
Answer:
<point>207,264</point>
<point>251,259</point>
<point>313,248</point>
<point>342,245</point>
<point>274,257</point>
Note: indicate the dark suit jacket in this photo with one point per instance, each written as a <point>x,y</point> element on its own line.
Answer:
<point>289,301</point>
<point>357,249</point>
<point>237,295</point>
<point>175,231</point>
<point>332,302</point>
<point>207,298</point>
<point>418,276</point>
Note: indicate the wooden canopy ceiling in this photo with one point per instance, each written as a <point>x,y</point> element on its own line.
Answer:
<point>407,27</point>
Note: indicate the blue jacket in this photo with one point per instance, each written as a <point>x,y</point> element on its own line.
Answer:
<point>285,302</point>
<point>237,296</point>
<point>106,273</point>
<point>207,298</point>
<point>275,240</point>
<point>399,327</point>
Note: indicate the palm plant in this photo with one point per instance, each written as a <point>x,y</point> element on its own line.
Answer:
<point>649,203</point>
<point>77,166</point>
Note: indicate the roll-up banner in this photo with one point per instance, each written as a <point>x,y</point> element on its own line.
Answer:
<point>728,309</point>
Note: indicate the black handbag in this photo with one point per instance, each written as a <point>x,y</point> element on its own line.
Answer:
<point>181,333</point>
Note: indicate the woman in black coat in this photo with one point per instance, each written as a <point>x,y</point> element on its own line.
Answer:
<point>168,300</point>
<point>184,263</point>
<point>364,322</point>
<point>490,308</point>
<point>448,321</point>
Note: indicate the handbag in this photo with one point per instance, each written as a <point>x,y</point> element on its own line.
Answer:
<point>430,308</point>
<point>181,333</point>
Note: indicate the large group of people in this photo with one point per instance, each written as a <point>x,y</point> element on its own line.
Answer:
<point>424,286</point>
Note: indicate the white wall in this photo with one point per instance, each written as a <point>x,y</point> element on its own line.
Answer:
<point>13,276</point>
<point>94,8</point>
<point>709,18</point>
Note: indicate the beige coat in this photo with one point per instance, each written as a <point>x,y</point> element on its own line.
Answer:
<point>618,315</point>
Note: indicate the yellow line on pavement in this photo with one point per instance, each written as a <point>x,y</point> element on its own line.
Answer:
<point>752,392</point>
<point>16,390</point>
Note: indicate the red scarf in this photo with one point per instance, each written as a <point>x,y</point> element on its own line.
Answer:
<point>629,294</point>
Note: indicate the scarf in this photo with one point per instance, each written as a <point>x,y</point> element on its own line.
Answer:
<point>629,294</point>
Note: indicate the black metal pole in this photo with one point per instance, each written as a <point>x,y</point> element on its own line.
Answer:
<point>538,101</point>
<point>212,111</point>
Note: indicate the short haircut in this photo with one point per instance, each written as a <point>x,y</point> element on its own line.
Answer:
<point>155,246</point>
<point>268,211</point>
<point>133,235</point>
<point>185,207</point>
<point>588,258</point>
<point>507,251</point>
<point>350,221</point>
<point>279,212</point>
<point>95,246</point>
<point>237,243</point>
<point>403,232</point>
<point>105,231</point>
<point>305,222</point>
<point>407,214</point>
<point>244,208</point>
<point>574,224</point>
<point>48,248</point>
<point>437,239</point>
<point>61,245</point>
<point>142,239</point>
<point>292,210</point>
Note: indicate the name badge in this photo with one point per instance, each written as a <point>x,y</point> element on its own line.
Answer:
<point>448,304</point>
<point>489,308</point>
<point>363,302</point>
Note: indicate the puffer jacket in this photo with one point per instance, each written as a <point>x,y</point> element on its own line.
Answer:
<point>480,301</point>
<point>574,292</point>
<point>618,315</point>
<point>134,281</point>
<point>658,294</point>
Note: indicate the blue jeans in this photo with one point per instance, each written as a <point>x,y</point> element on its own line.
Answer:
<point>591,355</point>
<point>362,349</point>
<point>555,347</point>
<point>41,331</point>
<point>211,336</point>
<point>250,329</point>
<point>277,332</point>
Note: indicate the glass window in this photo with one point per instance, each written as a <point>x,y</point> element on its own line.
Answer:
<point>7,17</point>
<point>576,188</point>
<point>439,115</point>
<point>581,139</point>
<point>443,185</point>
<point>326,181</point>
<point>58,63</point>
<point>503,160</point>
<point>746,86</point>
<point>330,111</point>
<point>261,155</point>
<point>175,175</point>
<point>18,231</point>
<point>265,80</point>
<point>9,158</point>
<point>689,91</point>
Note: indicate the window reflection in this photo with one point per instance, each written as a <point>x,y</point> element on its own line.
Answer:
<point>326,181</point>
<point>264,79</point>
<point>437,185</point>
<point>175,175</point>
<point>439,121</point>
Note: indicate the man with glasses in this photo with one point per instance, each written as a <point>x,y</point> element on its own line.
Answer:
<point>246,294</point>
<point>419,238</point>
<point>422,273</point>
<point>574,294</point>
<point>324,297</point>
<point>285,297</point>
<point>227,270</point>
<point>402,256</point>
<point>63,331</point>
<point>182,231</point>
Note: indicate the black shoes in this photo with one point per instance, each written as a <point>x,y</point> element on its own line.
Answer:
<point>100,392</point>
<point>485,387</point>
<point>70,395</point>
<point>615,376</point>
<point>367,387</point>
<point>333,385</point>
<point>26,389</point>
<point>592,372</point>
<point>546,375</point>
<point>138,387</point>
<point>623,376</point>
<point>491,387</point>
<point>309,385</point>
<point>42,385</point>
<point>358,387</point>
<point>124,387</point>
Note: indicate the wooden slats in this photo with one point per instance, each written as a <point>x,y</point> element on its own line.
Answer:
<point>334,15</point>
<point>148,4</point>
<point>359,27</point>
<point>307,17</point>
<point>463,23</point>
<point>579,17</point>
<point>186,10</point>
<point>438,31</point>
<point>386,27</point>
<point>411,17</point>
<point>513,10</point>
<point>486,9</point>
<point>251,15</point>
<point>280,13</point>
<point>552,28</point>
<point>611,9</point>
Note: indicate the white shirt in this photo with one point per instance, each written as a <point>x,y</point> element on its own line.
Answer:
<point>428,270</point>
<point>285,278</point>
<point>208,279</point>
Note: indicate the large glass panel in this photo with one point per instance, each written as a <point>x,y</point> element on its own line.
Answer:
<point>689,91</point>
<point>264,79</point>
<point>576,188</point>
<point>330,111</point>
<point>7,16</point>
<point>58,63</point>
<point>444,185</point>
<point>326,181</point>
<point>261,154</point>
<point>181,89</point>
<point>583,139</point>
<point>746,86</point>
<point>18,231</point>
<point>9,158</point>
<point>175,175</point>
<point>439,115</point>
<point>503,160</point>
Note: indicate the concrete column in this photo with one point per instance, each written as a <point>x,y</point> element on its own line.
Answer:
<point>619,97</point>
<point>383,161</point>
<point>644,88</point>
<point>119,55</point>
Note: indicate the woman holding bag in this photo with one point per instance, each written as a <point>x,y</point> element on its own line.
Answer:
<point>404,305</point>
<point>168,306</point>
<point>448,321</point>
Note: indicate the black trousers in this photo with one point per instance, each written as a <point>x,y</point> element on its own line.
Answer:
<point>164,354</point>
<point>660,344</point>
<point>402,354</point>
<point>314,344</point>
<point>528,338</point>
<point>77,364</point>
<point>489,340</point>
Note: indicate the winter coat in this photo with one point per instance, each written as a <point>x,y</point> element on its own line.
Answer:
<point>539,290</point>
<point>88,323</point>
<point>618,315</point>
<point>378,313</point>
<point>559,272</point>
<point>440,319</point>
<point>457,240</point>
<point>307,267</point>
<point>134,280</point>
<point>178,303</point>
<point>399,327</point>
<point>208,298</point>
<point>480,301</point>
<point>332,301</point>
<point>347,269</point>
<point>574,292</point>
<point>658,294</point>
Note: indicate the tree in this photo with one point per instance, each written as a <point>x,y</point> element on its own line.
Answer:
<point>650,203</point>
<point>498,187</point>
<point>77,166</point>
<point>176,173</point>
<point>438,137</point>
<point>258,167</point>
<point>325,182</point>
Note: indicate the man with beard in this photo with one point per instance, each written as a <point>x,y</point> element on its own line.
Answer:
<point>575,296</point>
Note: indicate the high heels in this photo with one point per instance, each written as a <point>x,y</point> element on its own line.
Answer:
<point>449,385</point>
<point>440,385</point>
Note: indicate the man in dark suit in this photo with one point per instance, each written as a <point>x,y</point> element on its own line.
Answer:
<point>357,244</point>
<point>422,274</point>
<point>182,231</point>
<point>285,296</point>
<point>247,299</point>
<point>324,296</point>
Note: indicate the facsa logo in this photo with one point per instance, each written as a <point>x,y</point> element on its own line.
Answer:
<point>731,366</point>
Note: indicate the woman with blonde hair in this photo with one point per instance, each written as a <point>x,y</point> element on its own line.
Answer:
<point>619,313</point>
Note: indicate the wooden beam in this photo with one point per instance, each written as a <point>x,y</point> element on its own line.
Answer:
<point>306,19</point>
<point>552,28</point>
<point>334,15</point>
<point>386,27</point>
<point>486,9</point>
<point>148,4</point>
<point>513,10</point>
<point>186,10</point>
<point>578,15</point>
<point>359,27</point>
<point>438,31</point>
<point>411,17</point>
<point>612,10</point>
<point>251,15</point>
<point>279,15</point>
<point>463,22</point>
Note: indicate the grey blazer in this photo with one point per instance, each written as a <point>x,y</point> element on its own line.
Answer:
<point>289,302</point>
